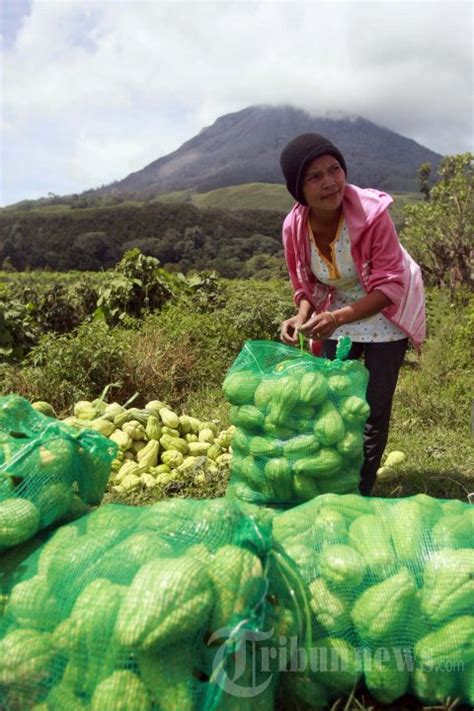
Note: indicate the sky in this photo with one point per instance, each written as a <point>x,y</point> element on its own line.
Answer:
<point>93,90</point>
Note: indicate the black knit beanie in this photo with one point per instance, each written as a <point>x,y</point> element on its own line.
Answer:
<point>298,153</point>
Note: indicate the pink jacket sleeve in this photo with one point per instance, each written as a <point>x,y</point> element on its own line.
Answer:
<point>384,265</point>
<point>289,239</point>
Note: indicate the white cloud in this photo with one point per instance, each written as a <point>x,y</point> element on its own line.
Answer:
<point>94,90</point>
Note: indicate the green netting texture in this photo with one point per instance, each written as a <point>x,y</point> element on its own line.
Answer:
<point>47,470</point>
<point>390,586</point>
<point>299,424</point>
<point>137,609</point>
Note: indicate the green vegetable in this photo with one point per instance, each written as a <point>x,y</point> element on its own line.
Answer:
<point>339,563</point>
<point>448,584</point>
<point>172,458</point>
<point>330,608</point>
<point>174,443</point>
<point>170,678</point>
<point>429,507</point>
<point>122,691</point>
<point>287,392</point>
<point>33,604</point>
<point>84,410</point>
<point>19,521</point>
<point>452,531</point>
<point>339,384</point>
<point>153,429</point>
<point>62,696</point>
<point>154,406</point>
<point>385,681</point>
<point>346,481</point>
<point>240,441</point>
<point>329,427</point>
<point>206,435</point>
<point>179,601</point>
<point>112,410</point>
<point>214,451</point>
<point>278,473</point>
<point>329,527</point>
<point>433,686</point>
<point>452,643</point>
<point>26,657</point>
<point>148,456</point>
<point>102,425</point>
<point>354,411</point>
<point>254,474</point>
<point>369,536</point>
<point>169,418</point>
<point>238,580</point>
<point>305,487</point>
<point>248,417</point>
<point>60,539</point>
<point>44,407</point>
<point>406,516</point>
<point>305,688</point>
<point>324,463</point>
<point>313,388</point>
<point>53,501</point>
<point>340,665</point>
<point>263,447</point>
<point>134,429</point>
<point>382,608</point>
<point>198,449</point>
<point>239,388</point>
<point>300,446</point>
<point>351,445</point>
<point>122,439</point>
<point>351,506</point>
<point>395,459</point>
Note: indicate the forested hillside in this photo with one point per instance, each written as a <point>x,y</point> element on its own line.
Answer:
<point>221,230</point>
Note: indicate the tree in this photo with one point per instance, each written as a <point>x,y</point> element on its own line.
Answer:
<point>438,232</point>
<point>424,174</point>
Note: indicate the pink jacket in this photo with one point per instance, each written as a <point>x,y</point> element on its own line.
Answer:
<point>381,261</point>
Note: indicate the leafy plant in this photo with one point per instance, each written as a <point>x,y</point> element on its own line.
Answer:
<point>438,232</point>
<point>137,285</point>
<point>18,329</point>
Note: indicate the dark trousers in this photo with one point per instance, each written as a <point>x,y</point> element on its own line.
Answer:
<point>383,361</point>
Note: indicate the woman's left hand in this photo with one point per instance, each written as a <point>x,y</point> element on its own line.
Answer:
<point>321,326</point>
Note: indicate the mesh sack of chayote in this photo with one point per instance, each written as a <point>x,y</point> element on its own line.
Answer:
<point>299,423</point>
<point>390,586</point>
<point>142,609</point>
<point>47,470</point>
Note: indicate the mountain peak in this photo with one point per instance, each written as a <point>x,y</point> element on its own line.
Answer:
<point>245,146</point>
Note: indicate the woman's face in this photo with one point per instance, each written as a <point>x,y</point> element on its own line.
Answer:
<point>323,184</point>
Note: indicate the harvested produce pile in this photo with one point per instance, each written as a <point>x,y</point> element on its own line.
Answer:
<point>136,609</point>
<point>299,423</point>
<point>158,608</point>
<point>156,446</point>
<point>48,470</point>
<point>391,592</point>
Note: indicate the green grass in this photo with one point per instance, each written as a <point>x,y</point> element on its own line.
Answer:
<point>248,196</point>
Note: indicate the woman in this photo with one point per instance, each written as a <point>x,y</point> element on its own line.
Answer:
<point>351,276</point>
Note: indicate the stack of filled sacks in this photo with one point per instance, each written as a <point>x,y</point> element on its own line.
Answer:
<point>390,585</point>
<point>48,470</point>
<point>140,609</point>
<point>299,423</point>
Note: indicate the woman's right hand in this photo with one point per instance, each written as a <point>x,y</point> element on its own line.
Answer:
<point>289,330</point>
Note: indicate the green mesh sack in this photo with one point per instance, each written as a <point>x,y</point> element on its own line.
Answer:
<point>47,470</point>
<point>390,586</point>
<point>146,608</point>
<point>299,423</point>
